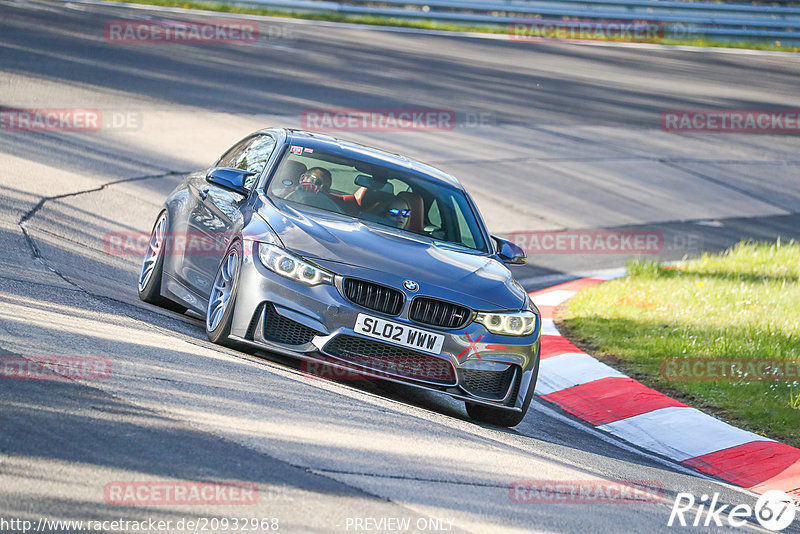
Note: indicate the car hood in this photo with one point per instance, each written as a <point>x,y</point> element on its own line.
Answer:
<point>350,247</point>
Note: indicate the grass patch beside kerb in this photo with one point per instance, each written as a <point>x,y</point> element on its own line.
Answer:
<point>743,304</point>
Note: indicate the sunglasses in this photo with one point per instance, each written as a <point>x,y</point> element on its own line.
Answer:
<point>397,211</point>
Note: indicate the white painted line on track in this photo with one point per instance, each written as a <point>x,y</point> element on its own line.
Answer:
<point>679,432</point>
<point>571,369</point>
<point>549,328</point>
<point>609,274</point>
<point>553,413</point>
<point>553,298</point>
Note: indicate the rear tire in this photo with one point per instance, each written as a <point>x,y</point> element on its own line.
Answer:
<point>152,267</point>
<point>498,416</point>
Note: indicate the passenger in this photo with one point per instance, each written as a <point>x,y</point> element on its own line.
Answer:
<point>394,212</point>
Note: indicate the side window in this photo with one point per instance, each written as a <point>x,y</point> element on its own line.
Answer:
<point>433,221</point>
<point>464,230</point>
<point>434,217</point>
<point>229,158</point>
<point>251,154</point>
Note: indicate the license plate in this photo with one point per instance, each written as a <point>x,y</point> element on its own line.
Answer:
<point>399,334</point>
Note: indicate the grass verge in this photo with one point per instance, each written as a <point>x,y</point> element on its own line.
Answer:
<point>426,24</point>
<point>741,306</point>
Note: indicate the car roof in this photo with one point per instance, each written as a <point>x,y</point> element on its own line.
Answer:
<point>398,162</point>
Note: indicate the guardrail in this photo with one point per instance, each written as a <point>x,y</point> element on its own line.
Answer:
<point>676,19</point>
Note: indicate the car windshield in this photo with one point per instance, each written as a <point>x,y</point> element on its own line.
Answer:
<point>377,195</point>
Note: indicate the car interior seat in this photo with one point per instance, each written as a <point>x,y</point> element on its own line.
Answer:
<point>369,199</point>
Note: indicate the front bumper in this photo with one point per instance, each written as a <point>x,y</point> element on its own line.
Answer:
<point>316,324</point>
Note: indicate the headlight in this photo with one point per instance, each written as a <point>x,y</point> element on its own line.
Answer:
<point>290,266</point>
<point>520,323</point>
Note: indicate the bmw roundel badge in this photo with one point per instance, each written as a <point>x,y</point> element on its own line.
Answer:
<point>411,285</point>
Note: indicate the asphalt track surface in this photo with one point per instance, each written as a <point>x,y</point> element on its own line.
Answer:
<point>570,140</point>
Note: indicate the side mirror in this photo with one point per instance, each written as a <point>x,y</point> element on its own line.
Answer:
<point>230,179</point>
<point>509,252</point>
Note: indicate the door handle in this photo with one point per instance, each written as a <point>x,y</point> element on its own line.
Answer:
<point>203,193</point>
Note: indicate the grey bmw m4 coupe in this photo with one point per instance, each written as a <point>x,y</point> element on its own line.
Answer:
<point>353,258</point>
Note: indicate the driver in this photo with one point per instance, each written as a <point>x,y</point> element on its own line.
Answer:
<point>313,188</point>
<point>315,180</point>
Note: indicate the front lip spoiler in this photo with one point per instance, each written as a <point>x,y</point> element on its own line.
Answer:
<point>364,372</point>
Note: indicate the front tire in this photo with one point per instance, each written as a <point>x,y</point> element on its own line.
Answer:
<point>153,265</point>
<point>219,314</point>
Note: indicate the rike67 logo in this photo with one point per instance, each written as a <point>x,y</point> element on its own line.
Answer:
<point>774,510</point>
